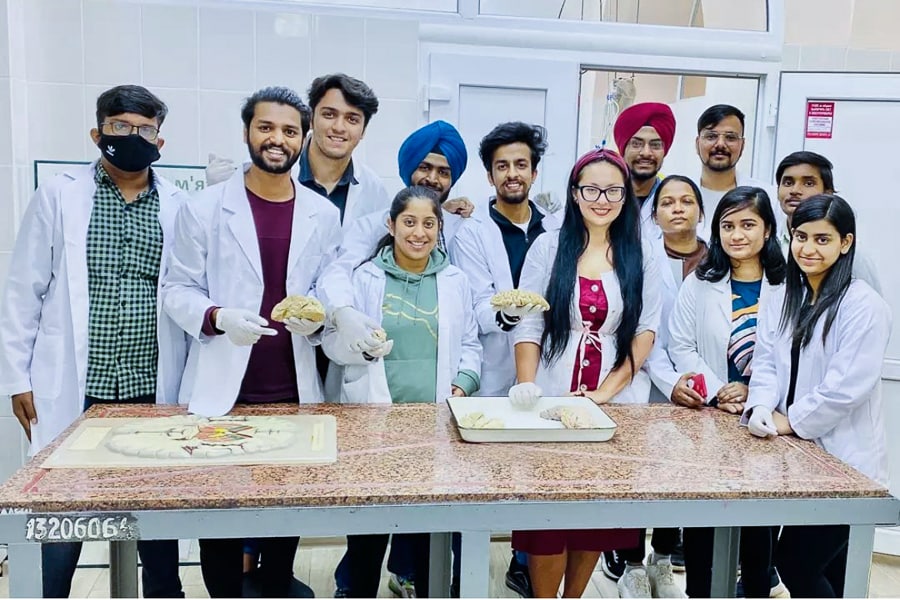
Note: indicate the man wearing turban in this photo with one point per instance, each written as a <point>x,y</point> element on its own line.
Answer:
<point>644,134</point>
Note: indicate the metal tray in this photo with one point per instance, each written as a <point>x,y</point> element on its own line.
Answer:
<point>527,425</point>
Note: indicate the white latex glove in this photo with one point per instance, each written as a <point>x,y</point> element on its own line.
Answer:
<point>382,350</point>
<point>243,327</point>
<point>517,312</point>
<point>524,396</point>
<point>548,201</point>
<point>302,327</point>
<point>219,169</point>
<point>356,329</point>
<point>761,423</point>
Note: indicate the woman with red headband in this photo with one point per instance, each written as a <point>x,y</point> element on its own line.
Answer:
<point>601,285</point>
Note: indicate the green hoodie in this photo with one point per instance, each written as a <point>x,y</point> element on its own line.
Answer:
<point>410,318</point>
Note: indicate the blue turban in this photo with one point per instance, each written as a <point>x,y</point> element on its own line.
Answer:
<point>440,137</point>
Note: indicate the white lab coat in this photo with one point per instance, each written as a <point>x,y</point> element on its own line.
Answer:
<point>837,398</point>
<point>364,381</point>
<point>555,379</point>
<point>659,365</point>
<point>44,315</point>
<point>358,244</point>
<point>700,327</point>
<point>478,250</point>
<point>365,197</point>
<point>215,262</point>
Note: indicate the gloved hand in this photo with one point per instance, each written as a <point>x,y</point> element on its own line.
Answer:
<point>761,423</point>
<point>517,312</point>
<point>548,201</point>
<point>459,206</point>
<point>219,169</point>
<point>356,329</point>
<point>302,327</point>
<point>383,350</point>
<point>243,327</point>
<point>524,396</point>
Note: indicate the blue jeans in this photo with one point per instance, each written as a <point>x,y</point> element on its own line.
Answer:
<point>158,557</point>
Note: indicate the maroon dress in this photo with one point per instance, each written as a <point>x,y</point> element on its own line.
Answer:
<point>585,377</point>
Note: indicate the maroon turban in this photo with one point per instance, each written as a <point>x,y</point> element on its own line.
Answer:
<point>656,115</point>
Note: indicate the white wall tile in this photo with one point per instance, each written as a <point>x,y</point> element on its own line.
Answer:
<point>283,51</point>
<point>56,122</point>
<point>392,58</point>
<point>17,35</point>
<point>7,210</point>
<point>53,45</point>
<point>395,120</point>
<point>112,42</point>
<point>23,190</point>
<point>4,39</point>
<point>337,46</point>
<point>181,129</point>
<point>221,129</point>
<point>227,50</point>
<point>790,57</point>
<point>868,60</point>
<point>169,45</point>
<point>19,132</point>
<point>5,122</point>
<point>828,58</point>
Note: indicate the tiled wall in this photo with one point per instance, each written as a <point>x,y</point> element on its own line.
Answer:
<point>56,56</point>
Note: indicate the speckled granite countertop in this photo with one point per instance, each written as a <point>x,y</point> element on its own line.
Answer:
<point>413,454</point>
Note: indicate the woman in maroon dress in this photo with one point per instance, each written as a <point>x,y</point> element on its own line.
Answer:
<point>602,286</point>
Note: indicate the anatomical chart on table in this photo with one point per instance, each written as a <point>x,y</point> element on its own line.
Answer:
<point>189,440</point>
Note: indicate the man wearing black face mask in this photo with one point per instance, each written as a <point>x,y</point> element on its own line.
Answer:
<point>80,318</point>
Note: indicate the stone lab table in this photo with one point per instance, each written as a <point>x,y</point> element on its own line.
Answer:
<point>404,468</point>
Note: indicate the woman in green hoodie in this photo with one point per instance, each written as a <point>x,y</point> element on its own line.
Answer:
<point>424,305</point>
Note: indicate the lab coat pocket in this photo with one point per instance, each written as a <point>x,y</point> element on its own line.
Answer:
<point>47,365</point>
<point>364,384</point>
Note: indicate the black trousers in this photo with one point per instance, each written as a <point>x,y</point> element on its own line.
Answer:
<point>663,540</point>
<point>222,566</point>
<point>365,555</point>
<point>812,560</point>
<point>756,550</point>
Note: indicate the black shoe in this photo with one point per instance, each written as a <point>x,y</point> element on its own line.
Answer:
<point>518,580</point>
<point>612,564</point>
<point>253,587</point>
<point>678,556</point>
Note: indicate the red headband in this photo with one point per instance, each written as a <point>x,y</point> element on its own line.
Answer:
<point>595,155</point>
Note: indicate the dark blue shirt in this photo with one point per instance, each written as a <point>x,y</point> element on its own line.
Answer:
<point>338,195</point>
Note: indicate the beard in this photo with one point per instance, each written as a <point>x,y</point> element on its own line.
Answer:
<point>719,167</point>
<point>642,177</point>
<point>276,169</point>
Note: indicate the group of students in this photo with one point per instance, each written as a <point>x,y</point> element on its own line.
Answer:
<point>121,289</point>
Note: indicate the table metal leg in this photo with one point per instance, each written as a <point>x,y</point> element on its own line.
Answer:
<point>123,582</point>
<point>475,564</point>
<point>440,571</point>
<point>859,561</point>
<point>726,542</point>
<point>25,580</point>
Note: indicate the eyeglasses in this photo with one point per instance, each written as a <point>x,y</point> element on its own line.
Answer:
<point>122,128</point>
<point>711,137</point>
<point>638,144</point>
<point>590,193</point>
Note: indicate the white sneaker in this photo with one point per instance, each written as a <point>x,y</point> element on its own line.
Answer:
<point>634,584</point>
<point>662,581</point>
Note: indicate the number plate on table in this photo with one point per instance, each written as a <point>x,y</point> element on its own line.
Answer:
<point>86,528</point>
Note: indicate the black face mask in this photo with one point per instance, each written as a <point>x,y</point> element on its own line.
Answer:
<point>131,153</point>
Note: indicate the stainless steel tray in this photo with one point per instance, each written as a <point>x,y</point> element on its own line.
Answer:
<point>527,425</point>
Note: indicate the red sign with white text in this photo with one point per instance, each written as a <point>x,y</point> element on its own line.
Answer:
<point>819,120</point>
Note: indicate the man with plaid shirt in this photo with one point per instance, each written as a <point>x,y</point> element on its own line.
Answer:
<point>80,322</point>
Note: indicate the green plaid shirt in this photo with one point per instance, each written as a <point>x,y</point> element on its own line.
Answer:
<point>124,248</point>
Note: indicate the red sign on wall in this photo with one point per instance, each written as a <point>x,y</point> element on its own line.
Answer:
<point>819,119</point>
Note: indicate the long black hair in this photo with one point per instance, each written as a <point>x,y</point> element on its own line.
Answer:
<point>799,313</point>
<point>399,204</point>
<point>627,261</point>
<point>717,263</point>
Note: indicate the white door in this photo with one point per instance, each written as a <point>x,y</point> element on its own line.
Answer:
<point>476,93</point>
<point>856,125</point>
